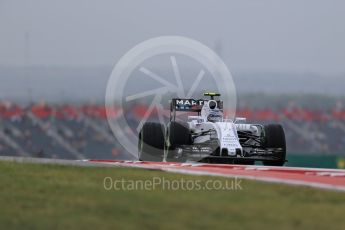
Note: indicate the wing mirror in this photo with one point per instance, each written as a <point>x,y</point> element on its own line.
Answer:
<point>240,120</point>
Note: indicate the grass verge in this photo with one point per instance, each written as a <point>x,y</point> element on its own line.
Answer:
<point>37,196</point>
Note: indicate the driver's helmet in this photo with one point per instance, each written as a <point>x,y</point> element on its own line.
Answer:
<point>211,112</point>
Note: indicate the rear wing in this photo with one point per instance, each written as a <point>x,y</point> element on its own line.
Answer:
<point>190,105</point>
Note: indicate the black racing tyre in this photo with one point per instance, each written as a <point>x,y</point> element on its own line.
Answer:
<point>275,138</point>
<point>151,142</point>
<point>244,162</point>
<point>179,134</point>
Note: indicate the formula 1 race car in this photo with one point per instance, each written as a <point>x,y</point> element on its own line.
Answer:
<point>209,137</point>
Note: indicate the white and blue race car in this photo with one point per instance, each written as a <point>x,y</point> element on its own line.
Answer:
<point>207,136</point>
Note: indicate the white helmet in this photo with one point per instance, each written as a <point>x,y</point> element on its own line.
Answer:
<point>210,112</point>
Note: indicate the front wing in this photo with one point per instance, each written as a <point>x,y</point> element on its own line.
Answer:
<point>210,150</point>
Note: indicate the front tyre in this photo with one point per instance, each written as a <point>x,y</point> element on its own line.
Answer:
<point>179,134</point>
<point>151,142</point>
<point>275,139</point>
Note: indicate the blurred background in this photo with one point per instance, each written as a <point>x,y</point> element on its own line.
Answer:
<point>287,59</point>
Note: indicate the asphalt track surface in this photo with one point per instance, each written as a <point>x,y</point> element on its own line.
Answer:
<point>333,179</point>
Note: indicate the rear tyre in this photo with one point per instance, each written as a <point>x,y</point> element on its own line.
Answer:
<point>275,138</point>
<point>151,142</point>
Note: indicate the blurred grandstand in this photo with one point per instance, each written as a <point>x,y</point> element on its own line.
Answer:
<point>81,131</point>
